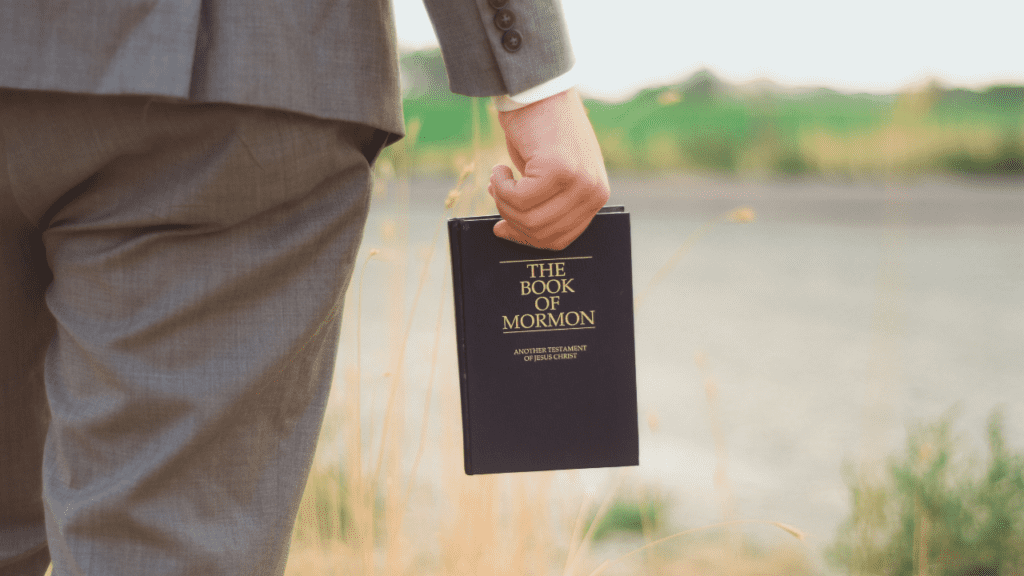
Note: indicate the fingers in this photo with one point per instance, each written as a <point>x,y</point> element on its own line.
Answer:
<point>504,230</point>
<point>525,195</point>
<point>544,212</point>
<point>547,220</point>
<point>515,156</point>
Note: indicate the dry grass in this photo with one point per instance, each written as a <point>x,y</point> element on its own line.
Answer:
<point>899,147</point>
<point>366,515</point>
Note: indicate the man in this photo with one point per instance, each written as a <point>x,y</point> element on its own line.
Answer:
<point>183,188</point>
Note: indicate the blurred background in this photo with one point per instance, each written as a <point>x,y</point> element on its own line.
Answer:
<point>827,204</point>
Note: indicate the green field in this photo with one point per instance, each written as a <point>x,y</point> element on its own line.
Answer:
<point>703,124</point>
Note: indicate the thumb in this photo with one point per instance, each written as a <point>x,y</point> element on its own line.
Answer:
<point>502,184</point>
<point>502,181</point>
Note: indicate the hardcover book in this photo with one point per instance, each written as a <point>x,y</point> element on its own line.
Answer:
<point>545,346</point>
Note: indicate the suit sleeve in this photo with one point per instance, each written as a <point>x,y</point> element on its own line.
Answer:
<point>483,58</point>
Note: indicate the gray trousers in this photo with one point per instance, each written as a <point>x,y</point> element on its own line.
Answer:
<point>171,278</point>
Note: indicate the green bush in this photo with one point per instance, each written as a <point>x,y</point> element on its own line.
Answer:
<point>1008,160</point>
<point>631,516</point>
<point>934,513</point>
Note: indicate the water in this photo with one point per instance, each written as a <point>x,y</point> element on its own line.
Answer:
<point>844,314</point>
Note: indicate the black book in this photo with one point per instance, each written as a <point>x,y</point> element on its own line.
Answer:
<point>545,345</point>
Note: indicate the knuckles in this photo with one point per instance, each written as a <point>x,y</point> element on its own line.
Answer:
<point>588,192</point>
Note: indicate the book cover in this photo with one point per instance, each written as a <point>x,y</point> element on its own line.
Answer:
<point>545,346</point>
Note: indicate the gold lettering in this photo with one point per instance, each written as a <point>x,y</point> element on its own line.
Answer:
<point>553,286</point>
<point>546,269</point>
<point>549,320</point>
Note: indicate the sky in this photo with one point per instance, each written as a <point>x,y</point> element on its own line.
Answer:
<point>879,46</point>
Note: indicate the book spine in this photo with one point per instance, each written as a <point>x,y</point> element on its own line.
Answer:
<point>455,242</point>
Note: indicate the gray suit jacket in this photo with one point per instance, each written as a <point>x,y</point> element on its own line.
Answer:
<point>327,58</point>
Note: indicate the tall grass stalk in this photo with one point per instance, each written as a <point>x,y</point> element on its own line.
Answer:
<point>796,533</point>
<point>722,485</point>
<point>740,215</point>
<point>369,518</point>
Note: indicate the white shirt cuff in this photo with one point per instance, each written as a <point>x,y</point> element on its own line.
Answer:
<point>505,103</point>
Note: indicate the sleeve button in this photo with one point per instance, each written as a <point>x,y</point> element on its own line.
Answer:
<point>512,40</point>
<point>504,19</point>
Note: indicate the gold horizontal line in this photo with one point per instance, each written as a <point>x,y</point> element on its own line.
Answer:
<point>545,259</point>
<point>548,330</point>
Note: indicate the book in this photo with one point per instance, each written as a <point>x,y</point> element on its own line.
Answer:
<point>546,351</point>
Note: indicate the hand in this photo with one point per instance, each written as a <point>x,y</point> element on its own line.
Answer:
<point>564,181</point>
